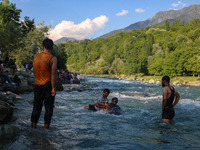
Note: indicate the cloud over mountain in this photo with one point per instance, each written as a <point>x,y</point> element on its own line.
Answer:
<point>78,31</point>
<point>179,3</point>
<point>139,10</point>
<point>122,13</point>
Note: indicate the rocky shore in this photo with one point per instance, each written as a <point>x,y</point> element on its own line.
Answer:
<point>10,94</point>
<point>186,81</point>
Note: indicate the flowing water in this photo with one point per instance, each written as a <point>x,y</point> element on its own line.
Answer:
<point>139,127</point>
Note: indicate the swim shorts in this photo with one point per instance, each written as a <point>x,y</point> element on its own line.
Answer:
<point>168,113</point>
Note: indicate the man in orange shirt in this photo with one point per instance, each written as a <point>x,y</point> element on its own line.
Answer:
<point>45,71</point>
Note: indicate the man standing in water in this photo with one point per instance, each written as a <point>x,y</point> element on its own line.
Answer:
<point>45,71</point>
<point>168,102</point>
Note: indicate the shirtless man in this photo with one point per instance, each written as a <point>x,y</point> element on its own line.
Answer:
<point>45,71</point>
<point>168,102</point>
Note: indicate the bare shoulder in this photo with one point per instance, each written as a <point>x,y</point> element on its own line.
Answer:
<point>54,59</point>
<point>166,88</point>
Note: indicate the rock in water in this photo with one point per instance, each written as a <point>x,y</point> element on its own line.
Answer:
<point>6,112</point>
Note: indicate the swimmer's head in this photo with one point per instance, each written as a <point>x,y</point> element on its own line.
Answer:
<point>106,92</point>
<point>165,80</point>
<point>115,100</point>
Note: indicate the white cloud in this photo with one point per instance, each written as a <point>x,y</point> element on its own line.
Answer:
<point>179,3</point>
<point>78,31</point>
<point>139,10</point>
<point>122,13</point>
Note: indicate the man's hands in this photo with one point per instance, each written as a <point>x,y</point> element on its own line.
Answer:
<point>53,92</point>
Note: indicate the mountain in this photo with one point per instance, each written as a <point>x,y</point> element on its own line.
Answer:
<point>63,39</point>
<point>185,14</point>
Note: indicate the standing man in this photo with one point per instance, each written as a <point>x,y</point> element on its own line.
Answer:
<point>45,71</point>
<point>168,102</point>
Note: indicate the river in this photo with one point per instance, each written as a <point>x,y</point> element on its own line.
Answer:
<point>139,127</point>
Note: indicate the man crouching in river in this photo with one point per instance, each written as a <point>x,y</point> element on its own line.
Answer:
<point>168,102</point>
<point>101,103</point>
<point>45,71</point>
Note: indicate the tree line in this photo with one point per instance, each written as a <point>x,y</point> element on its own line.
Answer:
<point>169,49</point>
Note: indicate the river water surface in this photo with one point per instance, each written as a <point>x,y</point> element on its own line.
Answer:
<point>139,127</point>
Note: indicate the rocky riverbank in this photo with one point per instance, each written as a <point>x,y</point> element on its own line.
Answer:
<point>186,81</point>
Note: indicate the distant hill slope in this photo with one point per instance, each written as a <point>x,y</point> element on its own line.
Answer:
<point>63,39</point>
<point>185,14</point>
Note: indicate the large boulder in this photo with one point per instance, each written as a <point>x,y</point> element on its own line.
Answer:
<point>6,112</point>
<point>177,83</point>
<point>25,73</point>
<point>9,87</point>
<point>31,80</point>
<point>152,81</point>
<point>24,87</point>
<point>158,82</point>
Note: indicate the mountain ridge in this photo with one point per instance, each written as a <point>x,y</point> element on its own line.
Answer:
<point>185,14</point>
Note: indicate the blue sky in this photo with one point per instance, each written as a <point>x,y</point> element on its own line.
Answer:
<point>92,18</point>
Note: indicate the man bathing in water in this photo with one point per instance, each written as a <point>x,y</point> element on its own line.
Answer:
<point>101,103</point>
<point>113,108</point>
<point>168,102</point>
<point>45,71</point>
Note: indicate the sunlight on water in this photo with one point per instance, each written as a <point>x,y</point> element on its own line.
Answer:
<point>139,126</point>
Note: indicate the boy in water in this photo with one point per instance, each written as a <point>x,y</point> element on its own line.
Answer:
<point>113,108</point>
<point>101,103</point>
<point>168,102</point>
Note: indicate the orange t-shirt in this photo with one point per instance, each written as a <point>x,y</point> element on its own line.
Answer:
<point>42,68</point>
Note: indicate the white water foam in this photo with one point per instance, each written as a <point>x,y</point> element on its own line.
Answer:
<point>120,95</point>
<point>189,102</point>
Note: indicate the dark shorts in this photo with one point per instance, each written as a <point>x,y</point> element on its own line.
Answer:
<point>92,108</point>
<point>168,113</point>
<point>42,95</point>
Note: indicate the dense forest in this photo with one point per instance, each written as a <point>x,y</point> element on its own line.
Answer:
<point>169,49</point>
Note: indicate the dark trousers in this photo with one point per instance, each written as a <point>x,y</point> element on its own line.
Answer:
<point>42,94</point>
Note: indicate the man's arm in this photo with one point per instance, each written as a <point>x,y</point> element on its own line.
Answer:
<point>177,98</point>
<point>164,98</point>
<point>53,75</point>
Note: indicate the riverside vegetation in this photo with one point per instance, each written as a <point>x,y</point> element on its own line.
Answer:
<point>169,49</point>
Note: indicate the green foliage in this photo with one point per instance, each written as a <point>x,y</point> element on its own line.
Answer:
<point>22,39</point>
<point>168,49</point>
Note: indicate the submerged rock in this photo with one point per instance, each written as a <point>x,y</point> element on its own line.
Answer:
<point>6,112</point>
<point>7,131</point>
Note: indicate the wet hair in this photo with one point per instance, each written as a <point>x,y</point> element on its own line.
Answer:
<point>115,99</point>
<point>106,90</point>
<point>166,78</point>
<point>48,44</point>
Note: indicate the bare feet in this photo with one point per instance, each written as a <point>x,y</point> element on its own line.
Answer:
<point>46,126</point>
<point>33,125</point>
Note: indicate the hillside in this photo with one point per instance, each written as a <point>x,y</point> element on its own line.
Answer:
<point>63,39</point>
<point>185,14</point>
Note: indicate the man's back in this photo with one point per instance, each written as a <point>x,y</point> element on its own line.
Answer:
<point>42,68</point>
